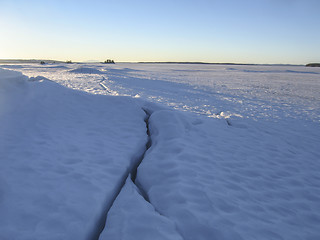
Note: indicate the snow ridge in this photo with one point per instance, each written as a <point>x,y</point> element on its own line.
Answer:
<point>142,191</point>
<point>148,145</point>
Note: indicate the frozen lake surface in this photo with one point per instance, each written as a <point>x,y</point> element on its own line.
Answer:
<point>233,151</point>
<point>268,92</point>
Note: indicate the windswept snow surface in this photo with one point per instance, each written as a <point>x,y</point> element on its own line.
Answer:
<point>64,156</point>
<point>241,161</point>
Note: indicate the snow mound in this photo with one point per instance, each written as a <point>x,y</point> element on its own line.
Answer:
<point>64,154</point>
<point>132,217</point>
<point>86,70</point>
<point>216,181</point>
<point>38,78</point>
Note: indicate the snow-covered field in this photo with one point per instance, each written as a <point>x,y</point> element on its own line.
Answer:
<point>221,151</point>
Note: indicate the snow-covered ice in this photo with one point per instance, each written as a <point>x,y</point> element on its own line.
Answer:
<point>64,155</point>
<point>234,151</point>
<point>217,181</point>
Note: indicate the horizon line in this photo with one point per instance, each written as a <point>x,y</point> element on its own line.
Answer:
<point>36,60</point>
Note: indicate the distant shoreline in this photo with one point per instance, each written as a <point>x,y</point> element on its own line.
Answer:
<point>207,63</point>
<point>168,62</point>
<point>29,61</point>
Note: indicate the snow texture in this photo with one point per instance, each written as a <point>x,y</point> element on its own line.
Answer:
<point>64,155</point>
<point>217,181</point>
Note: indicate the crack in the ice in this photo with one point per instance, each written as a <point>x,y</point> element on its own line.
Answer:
<point>135,169</point>
<point>103,217</point>
<point>148,145</point>
<point>140,188</point>
<point>131,171</point>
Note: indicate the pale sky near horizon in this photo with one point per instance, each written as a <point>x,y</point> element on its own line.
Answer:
<point>241,31</point>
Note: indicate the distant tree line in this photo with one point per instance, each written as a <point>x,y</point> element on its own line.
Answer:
<point>313,65</point>
<point>109,61</point>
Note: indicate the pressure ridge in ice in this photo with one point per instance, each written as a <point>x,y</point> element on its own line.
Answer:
<point>64,155</point>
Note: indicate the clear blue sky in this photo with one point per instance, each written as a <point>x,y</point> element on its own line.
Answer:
<point>247,31</point>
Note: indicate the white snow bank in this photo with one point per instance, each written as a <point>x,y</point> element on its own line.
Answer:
<point>86,70</point>
<point>215,181</point>
<point>63,154</point>
<point>132,217</point>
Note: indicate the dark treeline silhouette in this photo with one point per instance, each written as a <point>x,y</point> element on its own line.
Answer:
<point>313,65</point>
<point>109,61</point>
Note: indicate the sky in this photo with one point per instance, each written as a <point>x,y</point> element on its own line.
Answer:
<point>239,31</point>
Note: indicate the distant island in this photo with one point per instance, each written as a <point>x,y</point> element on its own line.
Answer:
<point>109,61</point>
<point>313,65</point>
